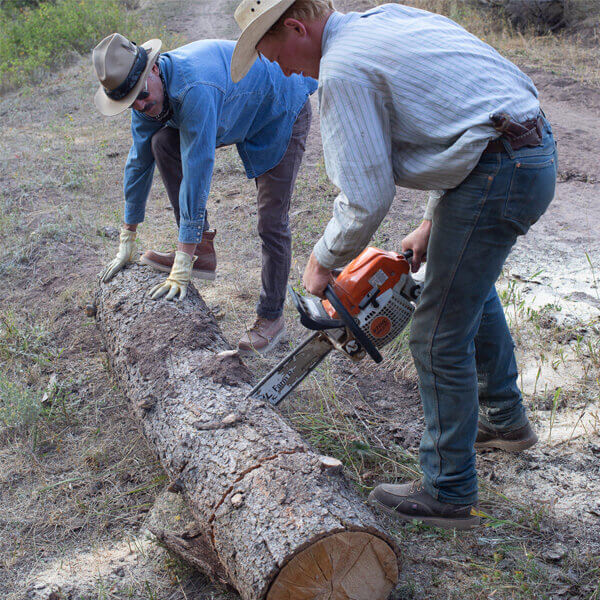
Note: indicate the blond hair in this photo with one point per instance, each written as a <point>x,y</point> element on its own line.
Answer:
<point>303,10</point>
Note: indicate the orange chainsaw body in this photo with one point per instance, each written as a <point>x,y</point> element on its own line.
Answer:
<point>372,268</point>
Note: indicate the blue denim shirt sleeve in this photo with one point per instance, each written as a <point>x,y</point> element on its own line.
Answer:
<point>139,168</point>
<point>199,116</point>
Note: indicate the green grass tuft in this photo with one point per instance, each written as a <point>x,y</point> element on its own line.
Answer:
<point>19,407</point>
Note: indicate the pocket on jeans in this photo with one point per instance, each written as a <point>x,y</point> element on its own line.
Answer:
<point>531,191</point>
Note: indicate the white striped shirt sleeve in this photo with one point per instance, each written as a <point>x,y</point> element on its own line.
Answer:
<point>355,128</point>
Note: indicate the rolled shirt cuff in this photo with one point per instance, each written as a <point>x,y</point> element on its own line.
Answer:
<point>432,202</point>
<point>328,259</point>
<point>190,232</point>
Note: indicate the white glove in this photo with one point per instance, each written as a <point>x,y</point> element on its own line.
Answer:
<point>125,255</point>
<point>178,280</point>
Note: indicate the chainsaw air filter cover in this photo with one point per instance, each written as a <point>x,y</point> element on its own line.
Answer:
<point>377,290</point>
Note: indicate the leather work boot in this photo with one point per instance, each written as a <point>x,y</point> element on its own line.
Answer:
<point>510,441</point>
<point>410,502</point>
<point>204,267</point>
<point>263,336</point>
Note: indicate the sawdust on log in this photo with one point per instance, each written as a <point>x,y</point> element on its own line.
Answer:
<point>150,348</point>
<point>226,369</point>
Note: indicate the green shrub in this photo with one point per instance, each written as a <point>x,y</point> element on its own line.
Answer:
<point>19,407</point>
<point>35,38</point>
<point>10,6</point>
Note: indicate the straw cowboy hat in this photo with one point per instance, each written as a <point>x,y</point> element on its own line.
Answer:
<point>122,69</point>
<point>255,18</point>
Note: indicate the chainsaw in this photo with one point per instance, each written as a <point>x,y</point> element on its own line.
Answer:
<point>370,302</point>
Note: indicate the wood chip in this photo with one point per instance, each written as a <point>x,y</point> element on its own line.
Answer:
<point>237,500</point>
<point>230,419</point>
<point>50,389</point>
<point>330,465</point>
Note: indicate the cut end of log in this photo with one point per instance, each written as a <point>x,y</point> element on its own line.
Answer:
<point>351,565</point>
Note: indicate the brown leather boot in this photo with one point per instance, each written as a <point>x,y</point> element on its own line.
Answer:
<point>263,336</point>
<point>410,502</point>
<point>509,441</point>
<point>204,267</point>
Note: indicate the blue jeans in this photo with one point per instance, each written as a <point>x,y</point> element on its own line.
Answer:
<point>461,344</point>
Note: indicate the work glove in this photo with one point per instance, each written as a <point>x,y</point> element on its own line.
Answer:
<point>178,280</point>
<point>126,254</point>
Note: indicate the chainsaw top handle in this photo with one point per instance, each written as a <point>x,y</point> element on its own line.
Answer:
<point>352,325</point>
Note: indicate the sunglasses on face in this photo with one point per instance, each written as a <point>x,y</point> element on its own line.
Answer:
<point>144,93</point>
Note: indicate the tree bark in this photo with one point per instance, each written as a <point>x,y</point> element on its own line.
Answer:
<point>271,520</point>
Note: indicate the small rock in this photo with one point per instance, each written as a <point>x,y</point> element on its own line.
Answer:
<point>147,403</point>
<point>555,554</point>
<point>217,311</point>
<point>108,231</point>
<point>176,487</point>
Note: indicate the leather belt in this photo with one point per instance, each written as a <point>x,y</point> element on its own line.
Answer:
<point>518,135</point>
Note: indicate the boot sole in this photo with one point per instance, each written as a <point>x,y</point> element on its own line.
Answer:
<point>443,523</point>
<point>507,445</point>
<point>207,275</point>
<point>280,337</point>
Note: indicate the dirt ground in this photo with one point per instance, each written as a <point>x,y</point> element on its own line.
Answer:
<point>79,488</point>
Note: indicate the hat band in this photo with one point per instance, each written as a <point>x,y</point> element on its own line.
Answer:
<point>141,59</point>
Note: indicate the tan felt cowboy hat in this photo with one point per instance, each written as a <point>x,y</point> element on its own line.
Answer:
<point>255,18</point>
<point>122,68</point>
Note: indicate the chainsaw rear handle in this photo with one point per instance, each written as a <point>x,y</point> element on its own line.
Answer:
<point>408,255</point>
<point>352,325</point>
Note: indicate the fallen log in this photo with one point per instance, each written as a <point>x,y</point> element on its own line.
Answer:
<point>542,16</point>
<point>273,519</point>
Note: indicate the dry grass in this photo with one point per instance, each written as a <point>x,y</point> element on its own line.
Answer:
<point>573,52</point>
<point>75,474</point>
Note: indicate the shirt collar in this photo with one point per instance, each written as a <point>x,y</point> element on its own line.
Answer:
<point>167,111</point>
<point>334,24</point>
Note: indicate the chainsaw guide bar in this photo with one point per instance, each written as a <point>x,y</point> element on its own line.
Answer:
<point>371,301</point>
<point>292,369</point>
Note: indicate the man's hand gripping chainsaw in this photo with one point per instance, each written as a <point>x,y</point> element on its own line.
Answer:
<point>370,303</point>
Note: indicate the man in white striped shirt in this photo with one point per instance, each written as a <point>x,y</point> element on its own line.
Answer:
<point>410,98</point>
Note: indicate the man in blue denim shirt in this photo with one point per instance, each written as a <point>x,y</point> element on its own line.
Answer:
<point>184,106</point>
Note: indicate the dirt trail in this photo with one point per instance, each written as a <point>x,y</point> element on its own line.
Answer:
<point>58,158</point>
